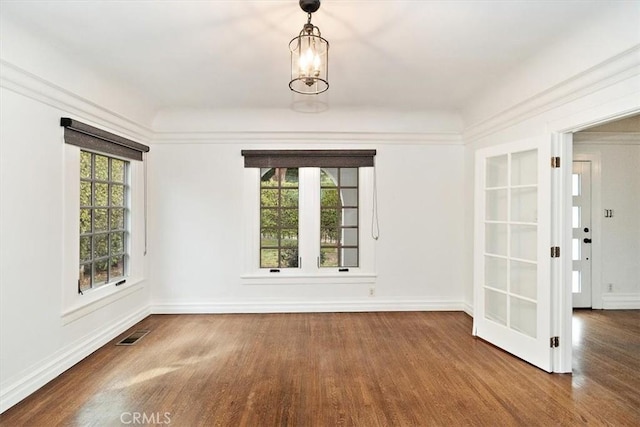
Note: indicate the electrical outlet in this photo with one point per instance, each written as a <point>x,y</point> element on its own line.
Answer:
<point>610,287</point>
<point>372,291</point>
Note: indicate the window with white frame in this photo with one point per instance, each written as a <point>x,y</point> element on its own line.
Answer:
<point>309,208</point>
<point>279,212</point>
<point>103,219</point>
<point>104,204</point>
<point>339,217</point>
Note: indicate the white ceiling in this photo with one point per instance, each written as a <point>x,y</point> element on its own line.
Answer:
<point>401,55</point>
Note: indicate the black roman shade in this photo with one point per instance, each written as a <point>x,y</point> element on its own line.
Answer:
<point>308,158</point>
<point>85,136</point>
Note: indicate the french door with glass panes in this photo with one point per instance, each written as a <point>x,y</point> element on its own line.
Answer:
<point>511,255</point>
<point>581,237</point>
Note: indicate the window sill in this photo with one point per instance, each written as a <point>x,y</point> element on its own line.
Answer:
<point>285,278</point>
<point>101,297</point>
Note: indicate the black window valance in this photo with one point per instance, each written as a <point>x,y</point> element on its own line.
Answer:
<point>85,136</point>
<point>307,158</point>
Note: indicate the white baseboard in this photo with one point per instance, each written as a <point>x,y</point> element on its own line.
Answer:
<point>56,364</point>
<point>303,307</point>
<point>620,301</point>
<point>468,308</point>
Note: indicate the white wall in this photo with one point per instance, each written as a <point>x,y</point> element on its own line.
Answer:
<point>196,229</point>
<point>620,191</point>
<point>584,50</point>
<point>45,326</point>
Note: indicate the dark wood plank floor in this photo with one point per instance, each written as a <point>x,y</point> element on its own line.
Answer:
<point>334,369</point>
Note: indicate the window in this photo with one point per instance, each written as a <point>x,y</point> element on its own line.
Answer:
<point>103,219</point>
<point>279,194</point>
<point>339,217</point>
<point>304,214</point>
<point>104,202</point>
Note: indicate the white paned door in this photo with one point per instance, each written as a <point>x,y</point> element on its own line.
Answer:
<point>581,235</point>
<point>512,280</point>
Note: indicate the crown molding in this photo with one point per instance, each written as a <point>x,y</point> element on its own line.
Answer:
<point>23,82</point>
<point>271,137</point>
<point>614,70</point>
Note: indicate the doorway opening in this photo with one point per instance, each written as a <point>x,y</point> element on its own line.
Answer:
<point>605,226</point>
<point>605,215</point>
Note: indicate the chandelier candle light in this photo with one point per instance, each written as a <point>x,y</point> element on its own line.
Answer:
<point>309,56</point>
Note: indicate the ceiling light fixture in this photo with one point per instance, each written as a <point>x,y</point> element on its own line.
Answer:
<point>309,56</point>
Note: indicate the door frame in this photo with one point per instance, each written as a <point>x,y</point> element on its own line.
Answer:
<point>596,224</point>
<point>561,136</point>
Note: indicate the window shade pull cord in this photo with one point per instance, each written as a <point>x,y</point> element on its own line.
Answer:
<point>144,166</point>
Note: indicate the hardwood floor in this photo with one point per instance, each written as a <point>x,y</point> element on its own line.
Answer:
<point>335,369</point>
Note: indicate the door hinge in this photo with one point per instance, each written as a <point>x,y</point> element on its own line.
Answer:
<point>555,162</point>
<point>555,342</point>
<point>555,251</point>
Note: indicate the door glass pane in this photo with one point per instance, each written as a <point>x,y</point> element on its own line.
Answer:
<point>575,217</point>
<point>523,316</point>
<point>524,168</point>
<point>496,239</point>
<point>496,171</point>
<point>524,242</point>
<point>576,285</point>
<point>575,249</point>
<point>495,306</point>
<point>524,205</point>
<point>495,272</point>
<point>524,279</point>
<point>496,205</point>
<point>575,184</point>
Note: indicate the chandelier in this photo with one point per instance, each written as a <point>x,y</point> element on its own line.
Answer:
<point>309,56</point>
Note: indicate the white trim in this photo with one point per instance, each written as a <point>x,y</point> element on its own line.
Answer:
<point>309,228</point>
<point>308,279</point>
<point>596,223</point>
<point>27,84</point>
<point>212,307</point>
<point>561,295</point>
<point>621,301</point>
<point>468,308</point>
<point>34,377</point>
<point>80,311</point>
<point>610,138</point>
<point>287,138</point>
<point>614,70</point>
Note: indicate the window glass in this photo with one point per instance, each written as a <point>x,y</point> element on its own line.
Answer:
<point>103,208</point>
<point>279,200</point>
<point>339,217</point>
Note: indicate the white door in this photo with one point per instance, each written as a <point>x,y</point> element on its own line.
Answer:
<point>512,280</point>
<point>581,240</point>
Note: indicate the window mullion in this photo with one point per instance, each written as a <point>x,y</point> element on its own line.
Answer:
<point>309,219</point>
